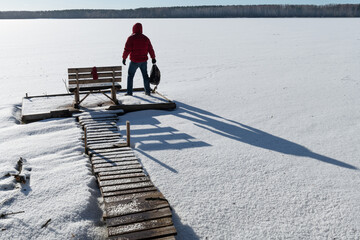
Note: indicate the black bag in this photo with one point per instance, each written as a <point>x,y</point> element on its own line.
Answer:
<point>154,75</point>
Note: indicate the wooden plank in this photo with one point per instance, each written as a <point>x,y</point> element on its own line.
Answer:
<point>100,123</point>
<point>114,156</point>
<point>89,75</point>
<point>137,107</point>
<point>102,141</point>
<point>147,234</point>
<point>126,186</point>
<point>111,155</point>
<point>114,160</point>
<point>107,126</point>
<point>114,152</point>
<point>117,168</point>
<point>99,69</point>
<point>115,164</point>
<point>107,146</point>
<point>118,198</point>
<point>123,181</point>
<point>129,175</point>
<point>101,151</point>
<point>100,136</point>
<point>88,117</point>
<point>87,122</point>
<point>135,205</point>
<point>120,172</point>
<point>139,217</point>
<point>94,133</point>
<point>94,82</point>
<point>130,191</point>
<point>141,226</point>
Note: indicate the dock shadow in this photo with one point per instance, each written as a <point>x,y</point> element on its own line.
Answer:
<point>249,135</point>
<point>183,231</point>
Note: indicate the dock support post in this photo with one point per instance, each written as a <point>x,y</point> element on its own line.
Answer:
<point>128,133</point>
<point>85,140</point>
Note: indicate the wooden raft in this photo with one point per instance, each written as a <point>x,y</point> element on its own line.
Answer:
<point>134,208</point>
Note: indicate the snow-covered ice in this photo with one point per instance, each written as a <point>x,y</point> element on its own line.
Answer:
<point>263,143</point>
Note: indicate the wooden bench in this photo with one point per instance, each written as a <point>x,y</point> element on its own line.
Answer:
<point>84,80</point>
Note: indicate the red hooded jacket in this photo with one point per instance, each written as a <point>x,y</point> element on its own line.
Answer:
<point>138,46</point>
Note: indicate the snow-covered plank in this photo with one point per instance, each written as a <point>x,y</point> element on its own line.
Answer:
<point>129,175</point>
<point>119,198</point>
<point>113,164</point>
<point>136,205</point>
<point>123,181</point>
<point>126,186</point>
<point>116,168</point>
<point>120,172</point>
<point>156,233</point>
<point>113,160</point>
<point>140,226</point>
<point>129,191</point>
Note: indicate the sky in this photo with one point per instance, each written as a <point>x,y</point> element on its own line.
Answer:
<point>33,5</point>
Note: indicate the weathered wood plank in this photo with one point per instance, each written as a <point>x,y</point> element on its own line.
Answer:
<point>150,234</point>
<point>139,217</point>
<point>126,186</point>
<point>94,82</point>
<point>120,172</point>
<point>91,124</point>
<point>123,181</point>
<point>107,141</point>
<point>130,191</point>
<point>114,152</point>
<point>96,137</point>
<point>135,205</point>
<point>119,198</point>
<point>136,227</point>
<point>102,127</point>
<point>101,151</point>
<point>106,146</point>
<point>86,121</point>
<point>100,75</point>
<point>117,168</point>
<point>112,156</point>
<point>115,164</point>
<point>129,175</point>
<point>114,160</point>
<point>99,69</point>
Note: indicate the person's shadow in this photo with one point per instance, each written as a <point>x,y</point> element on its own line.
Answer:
<point>246,134</point>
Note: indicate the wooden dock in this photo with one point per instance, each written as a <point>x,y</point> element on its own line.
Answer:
<point>35,108</point>
<point>134,207</point>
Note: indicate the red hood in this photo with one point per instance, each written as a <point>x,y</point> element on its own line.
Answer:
<point>137,28</point>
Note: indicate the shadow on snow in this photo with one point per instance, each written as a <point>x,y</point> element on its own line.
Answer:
<point>165,138</point>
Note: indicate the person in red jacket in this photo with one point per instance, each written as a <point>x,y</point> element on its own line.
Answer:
<point>138,46</point>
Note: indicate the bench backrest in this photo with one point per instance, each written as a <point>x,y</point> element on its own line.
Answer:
<point>105,75</point>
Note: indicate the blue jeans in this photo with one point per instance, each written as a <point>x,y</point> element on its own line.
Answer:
<point>131,73</point>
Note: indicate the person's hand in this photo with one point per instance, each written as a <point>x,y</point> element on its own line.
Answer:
<point>153,60</point>
<point>124,61</point>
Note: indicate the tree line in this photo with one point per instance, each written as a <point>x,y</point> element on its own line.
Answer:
<point>237,11</point>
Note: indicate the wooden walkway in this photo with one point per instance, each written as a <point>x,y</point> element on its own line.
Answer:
<point>134,207</point>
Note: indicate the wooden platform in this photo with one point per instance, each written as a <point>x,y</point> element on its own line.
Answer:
<point>35,108</point>
<point>134,207</point>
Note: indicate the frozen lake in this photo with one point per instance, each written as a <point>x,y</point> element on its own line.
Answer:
<point>263,144</point>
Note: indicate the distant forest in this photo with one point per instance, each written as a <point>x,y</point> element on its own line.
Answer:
<point>238,11</point>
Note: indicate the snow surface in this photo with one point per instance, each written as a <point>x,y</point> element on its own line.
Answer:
<point>263,144</point>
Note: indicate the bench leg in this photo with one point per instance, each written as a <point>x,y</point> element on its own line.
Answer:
<point>113,95</point>
<point>77,99</point>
